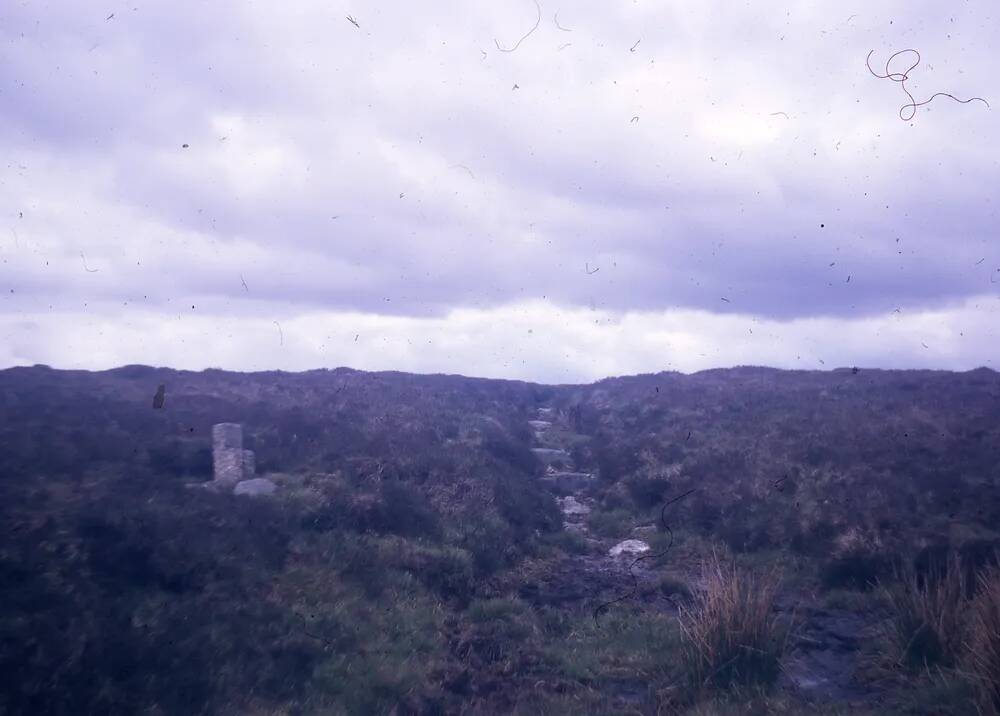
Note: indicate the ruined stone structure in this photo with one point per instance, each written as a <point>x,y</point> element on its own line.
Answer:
<point>231,463</point>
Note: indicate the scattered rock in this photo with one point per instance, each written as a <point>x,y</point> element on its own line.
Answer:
<point>540,424</point>
<point>256,486</point>
<point>571,506</point>
<point>570,481</point>
<point>644,530</point>
<point>550,453</point>
<point>628,547</point>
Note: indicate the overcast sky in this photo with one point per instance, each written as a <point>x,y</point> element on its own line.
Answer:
<point>638,186</point>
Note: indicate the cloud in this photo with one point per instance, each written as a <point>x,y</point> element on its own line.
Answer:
<point>392,171</point>
<point>533,340</point>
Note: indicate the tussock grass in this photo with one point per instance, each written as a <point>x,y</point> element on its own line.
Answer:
<point>982,647</point>
<point>731,636</point>
<point>927,623</point>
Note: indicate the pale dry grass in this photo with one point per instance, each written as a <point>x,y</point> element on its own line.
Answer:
<point>981,660</point>
<point>731,635</point>
<point>927,625</point>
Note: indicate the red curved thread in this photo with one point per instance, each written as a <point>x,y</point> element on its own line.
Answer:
<point>901,78</point>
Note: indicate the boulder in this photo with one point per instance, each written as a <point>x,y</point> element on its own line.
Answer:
<point>628,548</point>
<point>571,506</point>
<point>256,486</point>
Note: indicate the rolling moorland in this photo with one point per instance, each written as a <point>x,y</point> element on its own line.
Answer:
<point>442,545</point>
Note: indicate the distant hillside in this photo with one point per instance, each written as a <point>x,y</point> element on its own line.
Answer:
<point>795,458</point>
<point>407,498</point>
<point>69,422</point>
<point>891,450</point>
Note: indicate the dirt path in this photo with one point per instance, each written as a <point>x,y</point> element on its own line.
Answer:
<point>825,652</point>
<point>601,575</point>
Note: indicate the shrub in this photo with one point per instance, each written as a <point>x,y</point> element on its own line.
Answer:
<point>926,624</point>
<point>406,511</point>
<point>569,541</point>
<point>525,505</point>
<point>647,491</point>
<point>982,648</point>
<point>516,454</point>
<point>499,628</point>
<point>615,523</point>
<point>674,587</point>
<point>858,562</point>
<point>132,601</point>
<point>858,569</point>
<point>486,610</point>
<point>977,556</point>
<point>398,509</point>
<point>614,458</point>
<point>730,635</point>
<point>489,542</point>
<point>445,570</point>
<point>930,560</point>
<point>388,671</point>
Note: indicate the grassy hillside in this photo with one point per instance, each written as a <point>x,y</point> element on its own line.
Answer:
<point>414,559</point>
<point>795,459</point>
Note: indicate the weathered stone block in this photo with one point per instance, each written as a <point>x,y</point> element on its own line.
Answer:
<point>227,452</point>
<point>249,464</point>
<point>255,487</point>
<point>228,464</point>
<point>227,435</point>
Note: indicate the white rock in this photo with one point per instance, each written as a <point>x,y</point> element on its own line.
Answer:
<point>254,487</point>
<point>628,547</point>
<point>550,452</point>
<point>571,506</point>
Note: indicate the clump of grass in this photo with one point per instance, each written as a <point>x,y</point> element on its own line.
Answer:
<point>569,541</point>
<point>625,644</point>
<point>731,635</point>
<point>858,562</point>
<point>927,627</point>
<point>982,648</point>
<point>498,632</point>
<point>671,586</point>
<point>488,610</point>
<point>615,524</point>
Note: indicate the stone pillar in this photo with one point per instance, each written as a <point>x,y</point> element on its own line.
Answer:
<point>249,464</point>
<point>227,452</point>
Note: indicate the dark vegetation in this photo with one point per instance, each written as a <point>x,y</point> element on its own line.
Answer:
<point>389,573</point>
<point>851,469</point>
